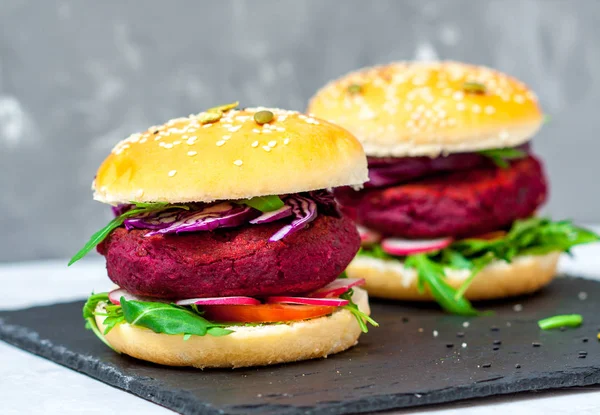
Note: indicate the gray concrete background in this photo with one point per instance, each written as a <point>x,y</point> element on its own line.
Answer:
<point>77,76</point>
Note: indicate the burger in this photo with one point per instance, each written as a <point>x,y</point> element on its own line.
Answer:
<point>226,247</point>
<point>449,212</point>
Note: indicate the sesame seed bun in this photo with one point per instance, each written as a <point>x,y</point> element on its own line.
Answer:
<point>248,346</point>
<point>186,160</point>
<point>426,109</point>
<point>524,275</point>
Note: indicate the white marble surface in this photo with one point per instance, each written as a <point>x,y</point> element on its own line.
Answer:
<point>29,383</point>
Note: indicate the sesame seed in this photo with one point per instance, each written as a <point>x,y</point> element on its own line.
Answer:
<point>256,130</point>
<point>466,324</point>
<point>519,99</point>
<point>267,148</point>
<point>139,193</point>
<point>476,108</point>
<point>172,173</point>
<point>226,137</point>
<point>461,106</point>
<point>286,141</point>
<point>272,143</point>
<point>192,153</point>
<point>234,129</point>
<point>167,145</point>
<point>458,95</point>
<point>464,345</point>
<point>582,296</point>
<point>490,110</point>
<point>518,307</point>
<point>238,162</point>
<point>435,333</point>
<point>207,125</point>
<point>255,144</point>
<point>220,143</point>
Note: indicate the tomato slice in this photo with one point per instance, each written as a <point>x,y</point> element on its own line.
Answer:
<point>265,313</point>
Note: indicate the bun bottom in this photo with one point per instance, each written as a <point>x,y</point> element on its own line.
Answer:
<point>390,279</point>
<point>247,346</point>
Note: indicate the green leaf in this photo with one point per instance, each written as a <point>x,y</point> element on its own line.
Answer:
<point>361,317</point>
<point>432,274</point>
<point>500,156</point>
<point>455,259</point>
<point>263,203</point>
<point>218,331</point>
<point>99,236</point>
<point>167,318</point>
<point>89,315</point>
<point>565,320</point>
<point>531,236</point>
<point>476,266</point>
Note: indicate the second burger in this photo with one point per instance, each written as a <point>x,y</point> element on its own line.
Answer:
<point>449,212</point>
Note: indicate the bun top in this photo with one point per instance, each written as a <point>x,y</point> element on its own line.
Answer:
<point>225,154</point>
<point>415,109</point>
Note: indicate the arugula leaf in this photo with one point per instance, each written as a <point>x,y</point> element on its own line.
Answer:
<point>168,319</point>
<point>532,236</point>
<point>263,203</point>
<point>500,155</point>
<point>89,315</point>
<point>118,221</point>
<point>361,317</point>
<point>564,320</point>
<point>476,266</point>
<point>432,274</point>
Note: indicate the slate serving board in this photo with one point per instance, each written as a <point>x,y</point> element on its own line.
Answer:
<point>402,364</point>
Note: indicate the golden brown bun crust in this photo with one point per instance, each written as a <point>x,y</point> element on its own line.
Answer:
<point>248,346</point>
<point>389,279</point>
<point>233,158</point>
<point>415,109</point>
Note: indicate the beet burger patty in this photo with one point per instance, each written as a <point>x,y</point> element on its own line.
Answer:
<point>224,255</point>
<point>461,204</point>
<point>449,210</point>
<point>230,262</point>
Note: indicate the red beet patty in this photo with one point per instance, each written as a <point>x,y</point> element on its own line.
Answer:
<point>457,204</point>
<point>230,262</point>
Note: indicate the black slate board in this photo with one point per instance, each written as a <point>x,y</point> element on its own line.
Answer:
<point>398,365</point>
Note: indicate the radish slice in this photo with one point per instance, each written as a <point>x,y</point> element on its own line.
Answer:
<point>115,297</point>
<point>335,302</point>
<point>367,236</point>
<point>220,301</point>
<point>337,287</point>
<point>401,247</point>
